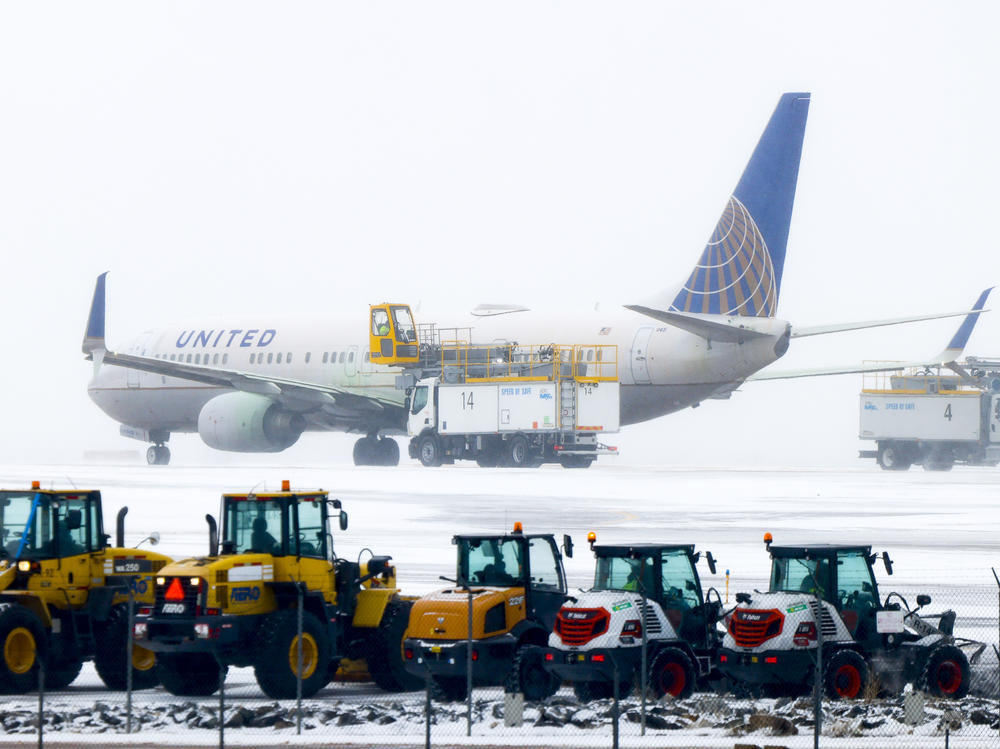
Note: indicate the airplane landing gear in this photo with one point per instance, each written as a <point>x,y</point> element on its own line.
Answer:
<point>375,451</point>
<point>158,455</point>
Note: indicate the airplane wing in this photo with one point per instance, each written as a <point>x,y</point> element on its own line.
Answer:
<point>296,393</point>
<point>947,358</point>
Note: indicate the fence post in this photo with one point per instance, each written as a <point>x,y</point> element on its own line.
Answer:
<point>468,666</point>
<point>427,710</point>
<point>129,645</point>
<point>995,649</point>
<point>818,687</point>
<point>41,699</point>
<point>298,669</point>
<point>643,683</point>
<point>614,704</point>
<point>222,706</point>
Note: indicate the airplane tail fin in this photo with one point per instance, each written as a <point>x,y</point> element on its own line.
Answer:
<point>956,346</point>
<point>739,272</point>
<point>93,336</point>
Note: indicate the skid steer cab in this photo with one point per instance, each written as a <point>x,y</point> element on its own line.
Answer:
<point>642,593</point>
<point>828,593</point>
<point>64,592</point>
<point>515,584</point>
<point>275,596</point>
<point>392,335</point>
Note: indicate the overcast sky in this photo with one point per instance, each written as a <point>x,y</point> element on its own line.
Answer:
<point>301,160</point>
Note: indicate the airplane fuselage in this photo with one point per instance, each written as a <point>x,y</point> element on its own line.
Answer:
<point>661,369</point>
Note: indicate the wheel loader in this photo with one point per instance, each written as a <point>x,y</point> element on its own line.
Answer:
<point>64,592</point>
<point>515,584</point>
<point>275,575</point>
<point>827,594</point>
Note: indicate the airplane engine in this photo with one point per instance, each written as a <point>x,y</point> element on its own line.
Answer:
<point>248,423</point>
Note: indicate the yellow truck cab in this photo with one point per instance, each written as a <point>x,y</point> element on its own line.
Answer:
<point>64,591</point>
<point>240,604</point>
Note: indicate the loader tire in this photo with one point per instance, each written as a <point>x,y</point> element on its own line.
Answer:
<point>845,676</point>
<point>61,675</point>
<point>947,673</point>
<point>24,645</point>
<point>385,652</point>
<point>111,652</point>
<point>276,667</point>
<point>528,676</point>
<point>672,673</point>
<point>188,674</point>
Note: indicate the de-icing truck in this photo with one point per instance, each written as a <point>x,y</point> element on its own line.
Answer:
<point>933,416</point>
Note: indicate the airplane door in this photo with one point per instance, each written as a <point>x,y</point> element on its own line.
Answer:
<point>351,365</point>
<point>640,363</point>
<point>995,419</point>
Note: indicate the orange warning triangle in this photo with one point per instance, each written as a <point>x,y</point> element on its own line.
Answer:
<point>176,591</point>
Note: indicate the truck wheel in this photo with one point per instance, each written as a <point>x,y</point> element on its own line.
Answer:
<point>673,673</point>
<point>845,676</point>
<point>276,666</point>
<point>24,642</point>
<point>449,688</point>
<point>188,674</point>
<point>892,458</point>
<point>576,461</point>
<point>517,454</point>
<point>429,451</point>
<point>528,676</point>
<point>947,673</point>
<point>61,675</point>
<point>111,651</point>
<point>385,652</point>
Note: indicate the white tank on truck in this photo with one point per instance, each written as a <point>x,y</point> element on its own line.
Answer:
<point>516,405</point>
<point>935,416</point>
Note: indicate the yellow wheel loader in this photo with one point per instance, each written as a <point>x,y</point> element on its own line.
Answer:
<point>516,585</point>
<point>64,592</point>
<point>274,576</point>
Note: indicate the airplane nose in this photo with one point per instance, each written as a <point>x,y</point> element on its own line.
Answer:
<point>781,345</point>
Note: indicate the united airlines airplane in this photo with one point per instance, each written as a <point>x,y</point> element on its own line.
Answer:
<point>256,387</point>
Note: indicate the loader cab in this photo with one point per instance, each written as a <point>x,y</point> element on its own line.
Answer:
<point>840,575</point>
<point>664,574</point>
<point>392,335</point>
<point>516,560</point>
<point>282,524</point>
<point>38,525</point>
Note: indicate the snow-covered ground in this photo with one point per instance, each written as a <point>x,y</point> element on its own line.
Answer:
<point>940,529</point>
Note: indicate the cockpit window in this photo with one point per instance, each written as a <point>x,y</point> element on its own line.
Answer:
<point>491,561</point>
<point>801,575</point>
<point>626,573</point>
<point>46,526</point>
<point>419,399</point>
<point>405,332</point>
<point>257,525</point>
<point>380,322</point>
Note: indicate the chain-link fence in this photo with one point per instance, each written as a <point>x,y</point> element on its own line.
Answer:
<point>891,708</point>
